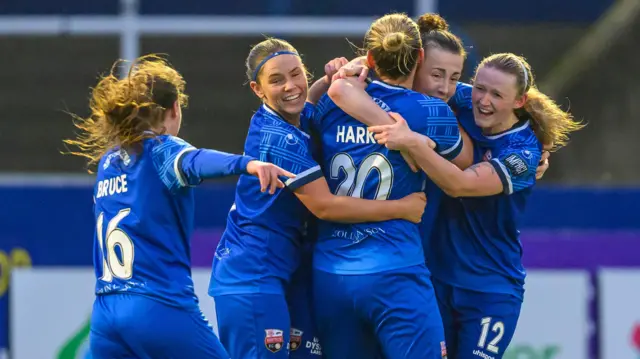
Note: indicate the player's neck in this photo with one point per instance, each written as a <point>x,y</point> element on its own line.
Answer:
<point>406,82</point>
<point>292,119</point>
<point>502,126</point>
<point>289,118</point>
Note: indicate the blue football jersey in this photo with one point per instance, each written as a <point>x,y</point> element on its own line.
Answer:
<point>355,165</point>
<point>144,219</point>
<point>260,247</point>
<point>475,243</point>
<point>462,105</point>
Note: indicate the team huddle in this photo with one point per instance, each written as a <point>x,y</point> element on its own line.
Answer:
<point>376,214</point>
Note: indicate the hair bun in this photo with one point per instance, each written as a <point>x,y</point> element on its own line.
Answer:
<point>393,42</point>
<point>432,22</point>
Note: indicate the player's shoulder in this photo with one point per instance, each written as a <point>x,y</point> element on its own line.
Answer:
<point>166,149</point>
<point>428,110</point>
<point>520,144</point>
<point>263,115</point>
<point>308,117</point>
<point>114,159</point>
<point>419,102</point>
<point>390,92</point>
<point>275,130</point>
<point>324,107</point>
<point>463,90</point>
<point>308,110</point>
<point>165,143</point>
<point>522,136</point>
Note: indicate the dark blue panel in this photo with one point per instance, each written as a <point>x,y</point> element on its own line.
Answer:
<point>527,11</point>
<point>58,7</point>
<point>275,7</point>
<point>200,7</point>
<point>454,10</point>
<point>351,8</point>
<point>584,209</point>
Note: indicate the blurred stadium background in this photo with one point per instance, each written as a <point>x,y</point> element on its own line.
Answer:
<point>582,235</point>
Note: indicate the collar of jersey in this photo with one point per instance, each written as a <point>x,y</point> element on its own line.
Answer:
<point>389,86</point>
<point>273,112</point>
<point>517,127</point>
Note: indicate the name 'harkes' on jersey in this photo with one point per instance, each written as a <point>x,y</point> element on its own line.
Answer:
<point>354,134</point>
<point>355,165</point>
<point>144,217</point>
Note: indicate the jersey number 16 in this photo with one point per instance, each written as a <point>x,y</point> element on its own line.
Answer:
<point>112,266</point>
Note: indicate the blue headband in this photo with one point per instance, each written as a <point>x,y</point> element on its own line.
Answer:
<point>257,70</point>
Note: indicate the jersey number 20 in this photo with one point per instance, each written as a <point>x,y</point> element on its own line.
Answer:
<point>112,266</point>
<point>353,184</point>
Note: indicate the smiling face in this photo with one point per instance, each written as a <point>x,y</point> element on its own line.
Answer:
<point>282,85</point>
<point>439,74</point>
<point>495,96</point>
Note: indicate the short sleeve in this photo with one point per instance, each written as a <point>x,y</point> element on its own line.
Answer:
<point>289,148</point>
<point>516,166</point>
<point>461,100</point>
<point>166,156</point>
<point>441,125</point>
<point>320,111</point>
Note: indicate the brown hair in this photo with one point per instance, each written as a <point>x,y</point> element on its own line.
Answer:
<point>550,123</point>
<point>394,43</point>
<point>434,30</point>
<point>126,111</point>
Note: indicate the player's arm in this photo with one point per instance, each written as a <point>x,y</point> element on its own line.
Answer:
<point>454,181</point>
<point>310,186</point>
<point>321,86</point>
<point>317,197</point>
<point>182,165</point>
<point>507,173</point>
<point>347,91</point>
<point>349,94</point>
<point>479,180</point>
<point>450,140</point>
<point>465,158</point>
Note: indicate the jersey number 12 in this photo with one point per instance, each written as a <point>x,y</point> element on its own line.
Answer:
<point>112,266</point>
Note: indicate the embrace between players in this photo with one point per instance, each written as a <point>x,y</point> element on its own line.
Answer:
<point>330,249</point>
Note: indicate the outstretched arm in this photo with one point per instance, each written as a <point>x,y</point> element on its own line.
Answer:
<point>181,165</point>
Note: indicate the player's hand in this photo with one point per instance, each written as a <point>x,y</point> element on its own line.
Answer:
<point>395,137</point>
<point>544,165</point>
<point>332,67</point>
<point>414,205</point>
<point>355,68</point>
<point>268,175</point>
<point>413,165</point>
